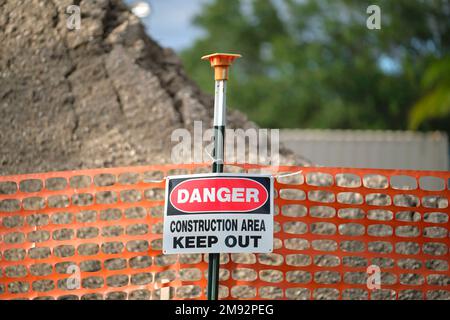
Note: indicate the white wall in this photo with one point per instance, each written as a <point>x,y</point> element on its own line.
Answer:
<point>370,149</point>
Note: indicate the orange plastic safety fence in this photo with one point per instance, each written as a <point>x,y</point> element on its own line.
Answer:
<point>96,234</point>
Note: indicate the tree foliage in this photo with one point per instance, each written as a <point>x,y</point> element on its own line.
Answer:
<point>314,63</point>
<point>436,102</point>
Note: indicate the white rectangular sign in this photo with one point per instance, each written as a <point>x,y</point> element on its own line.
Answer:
<point>218,213</point>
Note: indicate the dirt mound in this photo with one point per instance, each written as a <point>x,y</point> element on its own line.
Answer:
<point>105,95</point>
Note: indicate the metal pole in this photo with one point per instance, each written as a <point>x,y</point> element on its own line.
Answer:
<point>220,114</point>
<point>220,62</point>
<point>220,110</point>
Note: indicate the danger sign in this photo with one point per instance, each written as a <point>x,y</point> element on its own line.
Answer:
<point>218,213</point>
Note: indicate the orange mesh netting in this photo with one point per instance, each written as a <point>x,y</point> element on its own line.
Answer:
<point>104,227</point>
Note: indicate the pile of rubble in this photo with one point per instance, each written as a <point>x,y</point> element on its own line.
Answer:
<point>105,95</point>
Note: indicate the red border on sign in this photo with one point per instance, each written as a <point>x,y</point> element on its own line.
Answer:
<point>220,178</point>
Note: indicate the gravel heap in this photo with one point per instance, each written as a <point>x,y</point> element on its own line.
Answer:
<point>103,96</point>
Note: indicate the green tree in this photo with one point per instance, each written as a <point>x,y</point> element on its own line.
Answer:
<point>435,104</point>
<point>314,63</point>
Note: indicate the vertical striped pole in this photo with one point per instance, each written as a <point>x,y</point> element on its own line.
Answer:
<point>220,62</point>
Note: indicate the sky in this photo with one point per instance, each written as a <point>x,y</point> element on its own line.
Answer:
<point>169,21</point>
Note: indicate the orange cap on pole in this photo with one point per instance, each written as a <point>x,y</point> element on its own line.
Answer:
<point>220,62</point>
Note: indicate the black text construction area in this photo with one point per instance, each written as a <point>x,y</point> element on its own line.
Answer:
<point>218,213</point>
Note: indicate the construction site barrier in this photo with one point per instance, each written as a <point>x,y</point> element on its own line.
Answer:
<point>96,234</point>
